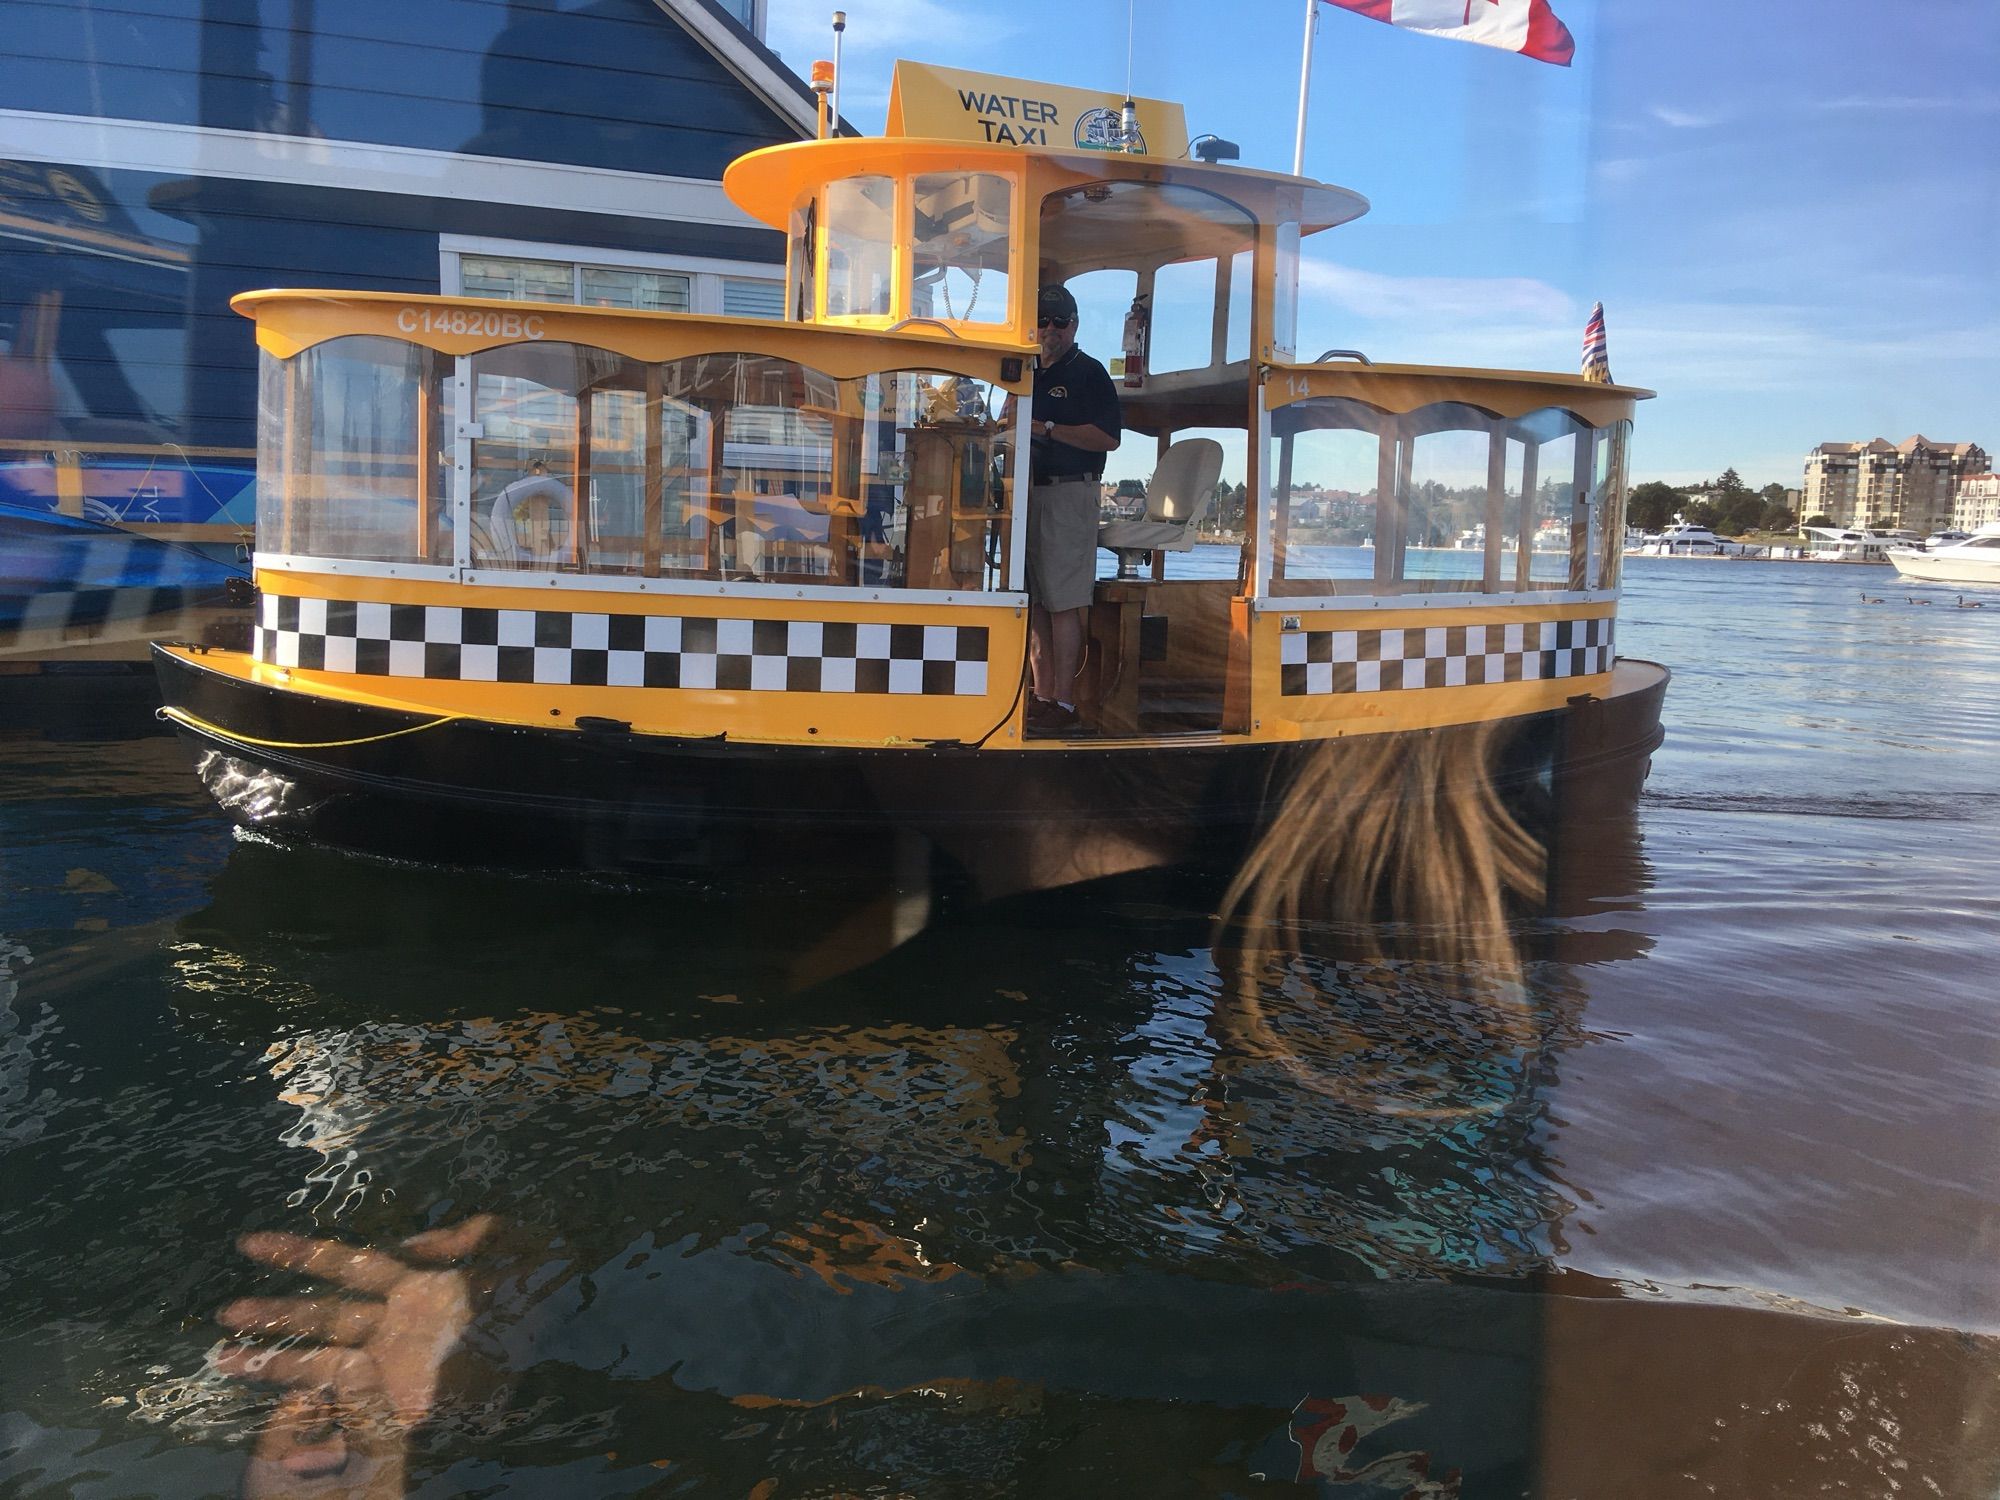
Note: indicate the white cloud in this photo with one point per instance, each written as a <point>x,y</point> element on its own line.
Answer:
<point>1434,299</point>
<point>1789,351</point>
<point>1684,119</point>
<point>1615,171</point>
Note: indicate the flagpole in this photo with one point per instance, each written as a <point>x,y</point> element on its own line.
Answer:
<point>1305,84</point>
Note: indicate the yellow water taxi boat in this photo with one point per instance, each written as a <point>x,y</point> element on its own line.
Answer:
<point>613,586</point>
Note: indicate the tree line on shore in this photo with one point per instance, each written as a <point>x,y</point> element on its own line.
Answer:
<point>1730,508</point>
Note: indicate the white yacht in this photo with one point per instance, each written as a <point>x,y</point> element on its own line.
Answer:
<point>1858,543</point>
<point>1974,560</point>
<point>1684,538</point>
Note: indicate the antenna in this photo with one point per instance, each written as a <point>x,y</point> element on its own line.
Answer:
<point>839,26</point>
<point>1130,5</point>
<point>1128,117</point>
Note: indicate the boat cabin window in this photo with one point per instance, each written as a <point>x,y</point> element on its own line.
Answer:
<point>753,469</point>
<point>553,438</point>
<point>1200,314</point>
<point>1183,317</point>
<point>860,246</point>
<point>1102,300</point>
<point>1443,499</point>
<point>349,462</point>
<point>1607,505</point>
<point>960,247</point>
<point>1162,270</point>
<point>732,467</point>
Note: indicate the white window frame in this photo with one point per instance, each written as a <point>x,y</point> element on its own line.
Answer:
<point>705,274</point>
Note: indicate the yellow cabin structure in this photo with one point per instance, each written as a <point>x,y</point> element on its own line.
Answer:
<point>693,544</point>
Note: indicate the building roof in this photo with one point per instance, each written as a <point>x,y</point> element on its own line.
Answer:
<point>1910,444</point>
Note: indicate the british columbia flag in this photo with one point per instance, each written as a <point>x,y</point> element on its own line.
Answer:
<point>1528,27</point>
<point>1596,356</point>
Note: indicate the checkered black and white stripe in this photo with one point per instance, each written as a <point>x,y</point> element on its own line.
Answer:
<point>1313,662</point>
<point>452,643</point>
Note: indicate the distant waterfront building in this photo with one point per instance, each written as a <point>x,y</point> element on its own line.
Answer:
<point>1978,502</point>
<point>1879,483</point>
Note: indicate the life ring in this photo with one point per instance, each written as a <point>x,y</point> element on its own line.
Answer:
<point>503,544</point>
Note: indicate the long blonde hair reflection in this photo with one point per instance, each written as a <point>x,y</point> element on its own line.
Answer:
<point>1370,941</point>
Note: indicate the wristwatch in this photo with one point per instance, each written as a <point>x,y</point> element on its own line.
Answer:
<point>1048,428</point>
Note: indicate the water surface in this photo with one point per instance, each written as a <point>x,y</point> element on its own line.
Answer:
<point>1032,1206</point>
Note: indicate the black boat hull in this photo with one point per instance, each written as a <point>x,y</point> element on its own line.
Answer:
<point>299,768</point>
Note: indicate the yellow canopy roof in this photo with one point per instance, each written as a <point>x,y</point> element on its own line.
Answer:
<point>768,184</point>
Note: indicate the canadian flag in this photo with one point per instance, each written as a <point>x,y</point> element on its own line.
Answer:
<point>1525,26</point>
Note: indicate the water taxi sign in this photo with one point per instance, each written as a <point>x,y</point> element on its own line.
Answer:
<point>953,104</point>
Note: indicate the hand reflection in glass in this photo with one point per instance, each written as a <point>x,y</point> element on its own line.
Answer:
<point>360,1371</point>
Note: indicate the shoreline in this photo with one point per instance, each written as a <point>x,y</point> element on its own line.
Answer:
<point>1737,557</point>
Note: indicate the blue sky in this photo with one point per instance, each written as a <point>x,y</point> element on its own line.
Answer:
<point>1790,208</point>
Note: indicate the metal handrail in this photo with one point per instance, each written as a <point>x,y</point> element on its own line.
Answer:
<point>1343,354</point>
<point>898,327</point>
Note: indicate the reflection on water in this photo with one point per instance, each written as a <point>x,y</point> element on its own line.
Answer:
<point>1071,1194</point>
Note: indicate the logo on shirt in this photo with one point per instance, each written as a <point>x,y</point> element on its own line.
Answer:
<point>1057,390</point>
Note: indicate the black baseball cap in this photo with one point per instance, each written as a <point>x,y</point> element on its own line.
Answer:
<point>1055,302</point>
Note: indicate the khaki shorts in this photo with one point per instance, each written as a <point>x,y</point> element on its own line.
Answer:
<point>1062,544</point>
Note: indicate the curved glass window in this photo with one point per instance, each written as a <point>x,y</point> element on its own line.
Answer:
<point>1447,498</point>
<point>736,467</point>
<point>860,242</point>
<point>558,461</point>
<point>1607,511</point>
<point>351,454</point>
<point>1174,242</point>
<point>774,472</point>
<point>960,247</point>
<point>1326,476</point>
<point>1183,318</point>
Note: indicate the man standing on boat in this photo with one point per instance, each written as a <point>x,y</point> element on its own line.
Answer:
<point>1076,423</point>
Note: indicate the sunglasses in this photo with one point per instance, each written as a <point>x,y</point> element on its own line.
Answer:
<point>1054,322</point>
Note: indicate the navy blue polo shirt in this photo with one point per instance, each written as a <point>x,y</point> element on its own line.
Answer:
<point>1075,389</point>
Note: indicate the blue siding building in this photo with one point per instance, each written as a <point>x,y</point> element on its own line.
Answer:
<point>159,156</point>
